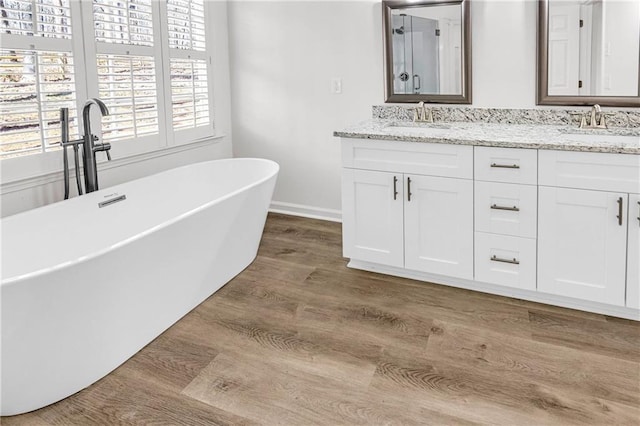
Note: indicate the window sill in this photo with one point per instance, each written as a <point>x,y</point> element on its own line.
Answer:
<point>21,183</point>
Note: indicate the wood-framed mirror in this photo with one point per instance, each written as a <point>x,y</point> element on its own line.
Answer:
<point>427,51</point>
<point>588,52</point>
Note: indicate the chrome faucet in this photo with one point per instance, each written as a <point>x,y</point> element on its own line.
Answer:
<point>89,149</point>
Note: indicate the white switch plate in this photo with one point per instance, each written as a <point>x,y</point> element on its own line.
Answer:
<point>336,85</point>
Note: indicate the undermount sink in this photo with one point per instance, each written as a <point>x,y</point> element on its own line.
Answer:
<point>602,138</point>
<point>435,130</point>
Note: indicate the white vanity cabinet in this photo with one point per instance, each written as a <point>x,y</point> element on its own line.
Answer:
<point>633,253</point>
<point>583,224</point>
<point>552,226</point>
<point>372,215</point>
<point>438,226</point>
<point>409,205</point>
<point>582,246</point>
<point>505,216</point>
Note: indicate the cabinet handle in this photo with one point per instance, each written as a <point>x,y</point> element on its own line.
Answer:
<point>638,213</point>
<point>408,189</point>
<point>395,187</point>
<point>499,259</point>
<point>511,209</point>
<point>619,216</point>
<point>505,166</point>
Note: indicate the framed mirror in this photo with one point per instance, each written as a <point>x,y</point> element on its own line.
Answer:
<point>588,52</point>
<point>427,51</point>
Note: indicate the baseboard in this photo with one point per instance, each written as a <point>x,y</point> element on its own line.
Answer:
<point>306,211</point>
<point>532,296</point>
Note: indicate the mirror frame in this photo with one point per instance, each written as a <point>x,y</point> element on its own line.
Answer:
<point>542,81</point>
<point>390,97</point>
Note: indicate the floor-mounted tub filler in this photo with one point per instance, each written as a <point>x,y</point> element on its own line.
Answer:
<point>88,282</point>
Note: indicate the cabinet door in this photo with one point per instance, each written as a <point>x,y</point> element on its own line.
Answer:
<point>438,228</point>
<point>633,253</point>
<point>372,216</point>
<point>582,244</point>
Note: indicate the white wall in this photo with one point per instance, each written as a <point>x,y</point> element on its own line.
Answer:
<point>620,68</point>
<point>284,55</point>
<point>283,58</point>
<point>18,196</point>
<point>504,53</point>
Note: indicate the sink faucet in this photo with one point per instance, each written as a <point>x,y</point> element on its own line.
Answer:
<point>422,114</point>
<point>597,119</point>
<point>89,149</point>
<point>595,112</point>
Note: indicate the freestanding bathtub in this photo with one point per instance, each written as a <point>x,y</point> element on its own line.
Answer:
<point>85,287</point>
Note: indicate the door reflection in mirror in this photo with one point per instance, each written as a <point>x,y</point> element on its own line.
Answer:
<point>593,47</point>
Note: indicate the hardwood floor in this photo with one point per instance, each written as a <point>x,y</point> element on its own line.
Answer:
<point>299,339</point>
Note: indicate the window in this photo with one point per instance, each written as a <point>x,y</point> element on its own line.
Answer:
<point>45,18</point>
<point>123,21</point>
<point>133,54</point>
<point>127,82</point>
<point>188,64</point>
<point>37,75</point>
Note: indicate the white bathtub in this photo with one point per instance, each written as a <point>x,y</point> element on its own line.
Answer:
<point>84,288</point>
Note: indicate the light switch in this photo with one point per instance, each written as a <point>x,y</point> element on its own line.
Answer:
<point>336,85</point>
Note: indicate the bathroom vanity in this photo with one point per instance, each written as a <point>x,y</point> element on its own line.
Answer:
<point>538,212</point>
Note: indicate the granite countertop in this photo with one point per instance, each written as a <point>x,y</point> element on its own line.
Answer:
<point>537,136</point>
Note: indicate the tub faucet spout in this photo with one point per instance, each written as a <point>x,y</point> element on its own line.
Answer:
<point>89,149</point>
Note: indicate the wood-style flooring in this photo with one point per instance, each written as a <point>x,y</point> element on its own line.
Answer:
<point>300,339</point>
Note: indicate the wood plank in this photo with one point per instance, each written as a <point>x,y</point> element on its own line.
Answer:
<point>119,399</point>
<point>481,396</point>
<point>530,361</point>
<point>264,391</point>
<point>426,299</point>
<point>616,339</point>
<point>238,333</point>
<point>170,361</point>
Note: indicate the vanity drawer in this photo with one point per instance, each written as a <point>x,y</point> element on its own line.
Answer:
<point>590,170</point>
<point>504,260</point>
<point>507,209</point>
<point>431,159</point>
<point>509,165</point>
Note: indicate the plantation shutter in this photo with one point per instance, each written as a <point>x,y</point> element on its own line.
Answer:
<point>37,75</point>
<point>188,63</point>
<point>126,67</point>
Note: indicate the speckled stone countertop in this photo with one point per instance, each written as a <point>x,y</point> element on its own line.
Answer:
<point>538,136</point>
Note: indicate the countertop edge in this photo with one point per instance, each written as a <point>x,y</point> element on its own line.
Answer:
<point>612,149</point>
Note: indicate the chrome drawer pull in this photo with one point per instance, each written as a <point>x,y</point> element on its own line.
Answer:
<point>511,209</point>
<point>499,259</point>
<point>505,166</point>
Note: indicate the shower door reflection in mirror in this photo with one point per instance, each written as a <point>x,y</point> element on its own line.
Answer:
<point>426,51</point>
